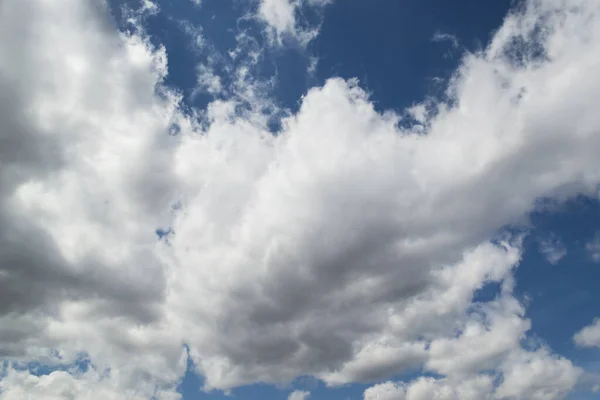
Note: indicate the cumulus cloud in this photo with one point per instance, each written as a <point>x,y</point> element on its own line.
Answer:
<point>60,385</point>
<point>344,247</point>
<point>525,376</point>
<point>589,336</point>
<point>346,192</point>
<point>477,388</point>
<point>85,183</point>
<point>537,376</point>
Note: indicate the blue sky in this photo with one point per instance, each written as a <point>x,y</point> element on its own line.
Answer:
<point>310,199</point>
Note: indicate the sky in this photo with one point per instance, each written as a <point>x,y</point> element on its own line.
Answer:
<point>299,199</point>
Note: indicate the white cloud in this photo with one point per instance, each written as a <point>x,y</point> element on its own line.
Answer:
<point>343,248</point>
<point>537,376</point>
<point>484,342</point>
<point>385,391</point>
<point>208,80</point>
<point>523,376</point>
<point>86,183</point>
<point>552,248</point>
<point>299,395</point>
<point>446,37</point>
<point>281,19</point>
<point>476,388</point>
<point>59,385</point>
<point>279,14</point>
<point>589,336</point>
<point>418,112</point>
<point>593,248</point>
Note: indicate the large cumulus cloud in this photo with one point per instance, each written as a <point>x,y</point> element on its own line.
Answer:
<point>344,247</point>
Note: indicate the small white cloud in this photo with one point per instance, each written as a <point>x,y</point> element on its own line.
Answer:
<point>552,247</point>
<point>280,17</point>
<point>593,248</point>
<point>418,112</point>
<point>299,395</point>
<point>446,37</point>
<point>279,14</point>
<point>589,336</point>
<point>208,80</point>
<point>312,66</point>
<point>149,6</point>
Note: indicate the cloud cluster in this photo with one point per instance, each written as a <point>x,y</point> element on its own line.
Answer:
<point>344,247</point>
<point>73,384</point>
<point>524,376</point>
<point>84,184</point>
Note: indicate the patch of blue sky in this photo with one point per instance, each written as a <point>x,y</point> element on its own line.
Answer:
<point>81,365</point>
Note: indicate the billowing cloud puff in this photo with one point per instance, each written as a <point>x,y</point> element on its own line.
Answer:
<point>477,388</point>
<point>526,376</point>
<point>589,336</point>
<point>344,247</point>
<point>59,385</point>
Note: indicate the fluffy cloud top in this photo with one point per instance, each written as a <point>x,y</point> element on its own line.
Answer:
<point>589,336</point>
<point>526,376</point>
<point>345,247</point>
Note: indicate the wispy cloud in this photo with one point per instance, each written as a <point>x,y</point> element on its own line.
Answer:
<point>593,248</point>
<point>446,37</point>
<point>552,247</point>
